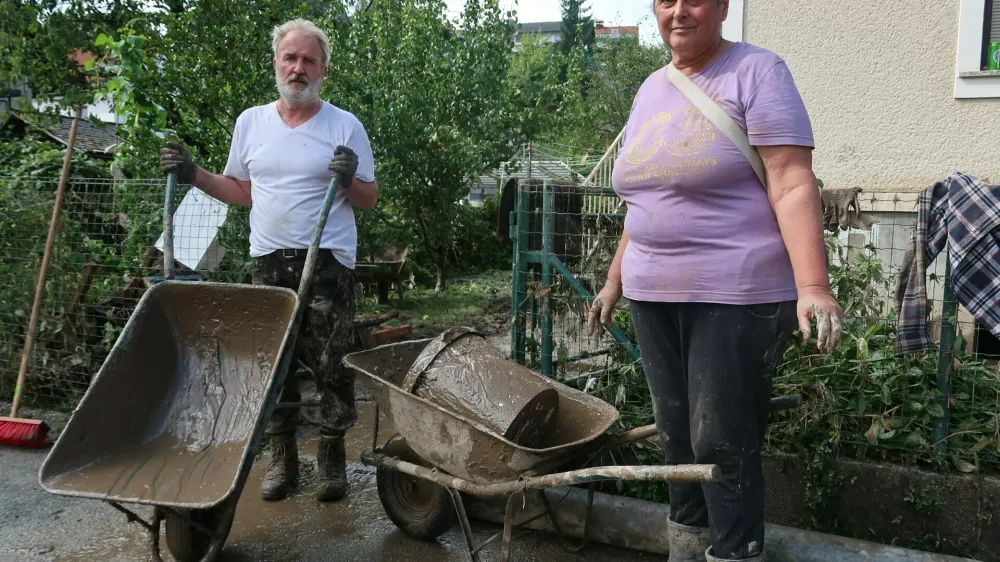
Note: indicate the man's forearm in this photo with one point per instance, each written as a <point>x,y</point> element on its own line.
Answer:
<point>223,188</point>
<point>362,194</point>
<point>799,214</point>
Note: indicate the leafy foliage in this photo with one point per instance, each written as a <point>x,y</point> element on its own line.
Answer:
<point>577,26</point>
<point>433,100</point>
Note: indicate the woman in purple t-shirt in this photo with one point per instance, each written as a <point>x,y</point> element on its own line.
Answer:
<point>716,267</point>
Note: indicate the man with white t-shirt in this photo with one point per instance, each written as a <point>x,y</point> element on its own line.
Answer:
<point>281,160</point>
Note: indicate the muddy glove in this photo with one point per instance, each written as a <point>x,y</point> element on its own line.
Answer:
<point>840,210</point>
<point>345,165</point>
<point>176,159</point>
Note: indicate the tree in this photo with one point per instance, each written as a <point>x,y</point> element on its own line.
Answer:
<point>619,68</point>
<point>545,89</point>
<point>433,98</point>
<point>39,39</point>
<point>577,26</point>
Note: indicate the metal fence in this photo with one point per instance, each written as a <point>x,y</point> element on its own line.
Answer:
<point>945,401</point>
<point>107,253</point>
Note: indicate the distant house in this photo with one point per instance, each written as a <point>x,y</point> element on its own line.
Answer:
<point>96,139</point>
<point>603,32</point>
<point>550,31</point>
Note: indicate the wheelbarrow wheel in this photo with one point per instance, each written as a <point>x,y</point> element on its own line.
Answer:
<point>421,509</point>
<point>185,540</point>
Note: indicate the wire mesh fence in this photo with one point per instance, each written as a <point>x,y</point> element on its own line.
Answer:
<point>942,404</point>
<point>106,254</point>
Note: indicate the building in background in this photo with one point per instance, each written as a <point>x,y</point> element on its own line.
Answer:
<point>550,31</point>
<point>602,31</point>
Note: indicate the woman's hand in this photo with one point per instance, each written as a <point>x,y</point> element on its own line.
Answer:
<point>604,306</point>
<point>816,304</point>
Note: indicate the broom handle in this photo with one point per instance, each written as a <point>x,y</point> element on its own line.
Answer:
<point>46,258</point>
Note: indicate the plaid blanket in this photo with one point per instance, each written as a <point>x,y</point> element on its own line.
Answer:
<point>964,214</point>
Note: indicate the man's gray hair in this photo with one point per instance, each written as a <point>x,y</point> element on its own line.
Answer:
<point>304,27</point>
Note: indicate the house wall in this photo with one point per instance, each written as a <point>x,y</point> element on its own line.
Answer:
<point>879,84</point>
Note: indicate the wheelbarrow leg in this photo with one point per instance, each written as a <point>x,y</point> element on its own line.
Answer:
<point>550,514</point>
<point>508,527</point>
<point>152,528</point>
<point>154,536</point>
<point>463,520</point>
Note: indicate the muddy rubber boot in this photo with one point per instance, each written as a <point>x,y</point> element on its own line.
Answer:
<point>708,556</point>
<point>283,470</point>
<point>331,464</point>
<point>687,544</point>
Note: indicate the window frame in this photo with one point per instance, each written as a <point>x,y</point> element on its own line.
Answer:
<point>971,81</point>
<point>987,32</point>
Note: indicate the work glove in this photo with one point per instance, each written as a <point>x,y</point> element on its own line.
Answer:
<point>345,165</point>
<point>840,210</point>
<point>176,159</point>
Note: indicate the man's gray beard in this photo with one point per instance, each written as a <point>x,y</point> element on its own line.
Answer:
<point>298,97</point>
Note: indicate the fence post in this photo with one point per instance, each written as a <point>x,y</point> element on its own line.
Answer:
<point>548,225</point>
<point>520,281</point>
<point>946,355</point>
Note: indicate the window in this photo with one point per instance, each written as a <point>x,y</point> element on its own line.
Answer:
<point>978,24</point>
<point>991,30</point>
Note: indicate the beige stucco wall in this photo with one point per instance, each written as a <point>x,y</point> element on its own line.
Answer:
<point>878,83</point>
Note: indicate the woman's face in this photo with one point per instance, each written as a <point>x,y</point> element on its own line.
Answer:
<point>690,26</point>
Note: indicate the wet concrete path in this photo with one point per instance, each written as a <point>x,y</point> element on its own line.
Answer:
<point>37,526</point>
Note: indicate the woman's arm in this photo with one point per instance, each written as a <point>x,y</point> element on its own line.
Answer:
<point>605,301</point>
<point>794,196</point>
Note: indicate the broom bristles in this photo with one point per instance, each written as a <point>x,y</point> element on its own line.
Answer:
<point>23,433</point>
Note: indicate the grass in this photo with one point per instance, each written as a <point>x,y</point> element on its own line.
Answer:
<point>481,302</point>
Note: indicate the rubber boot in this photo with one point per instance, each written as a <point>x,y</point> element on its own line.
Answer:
<point>687,544</point>
<point>331,464</point>
<point>710,558</point>
<point>283,470</point>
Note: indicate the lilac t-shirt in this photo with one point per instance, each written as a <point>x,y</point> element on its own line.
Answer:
<point>699,221</point>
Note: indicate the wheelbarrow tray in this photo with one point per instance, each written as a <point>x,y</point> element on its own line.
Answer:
<point>463,447</point>
<point>186,388</point>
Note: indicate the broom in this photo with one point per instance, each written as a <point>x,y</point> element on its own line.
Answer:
<point>13,430</point>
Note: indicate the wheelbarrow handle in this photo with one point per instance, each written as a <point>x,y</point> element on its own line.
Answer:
<point>307,270</point>
<point>168,227</point>
<point>777,404</point>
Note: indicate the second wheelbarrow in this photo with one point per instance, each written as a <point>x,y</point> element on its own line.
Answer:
<point>176,414</point>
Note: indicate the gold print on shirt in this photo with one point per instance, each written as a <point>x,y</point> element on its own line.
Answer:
<point>649,140</point>
<point>684,143</point>
<point>697,134</point>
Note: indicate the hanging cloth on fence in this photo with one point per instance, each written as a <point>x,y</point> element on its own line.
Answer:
<point>964,213</point>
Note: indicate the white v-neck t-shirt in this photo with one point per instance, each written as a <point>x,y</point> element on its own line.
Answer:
<point>288,174</point>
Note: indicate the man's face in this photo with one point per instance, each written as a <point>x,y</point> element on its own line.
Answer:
<point>298,69</point>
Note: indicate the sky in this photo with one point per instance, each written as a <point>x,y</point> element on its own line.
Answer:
<point>613,12</point>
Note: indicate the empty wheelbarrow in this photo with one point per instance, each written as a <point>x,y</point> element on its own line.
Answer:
<point>176,414</point>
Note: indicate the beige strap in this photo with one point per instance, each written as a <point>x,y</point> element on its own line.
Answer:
<point>719,118</point>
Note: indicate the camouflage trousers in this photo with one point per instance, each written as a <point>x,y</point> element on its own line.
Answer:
<point>326,335</point>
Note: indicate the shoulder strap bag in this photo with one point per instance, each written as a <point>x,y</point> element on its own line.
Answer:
<point>719,118</point>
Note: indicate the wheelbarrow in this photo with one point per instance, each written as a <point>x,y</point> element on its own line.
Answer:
<point>176,414</point>
<point>438,455</point>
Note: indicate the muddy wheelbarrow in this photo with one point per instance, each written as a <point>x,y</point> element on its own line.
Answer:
<point>176,414</point>
<point>438,455</point>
